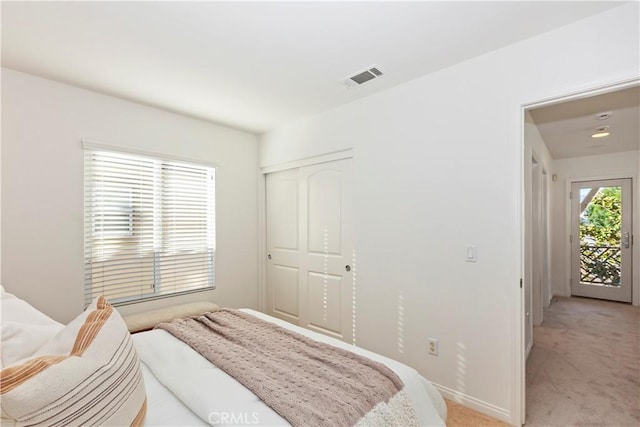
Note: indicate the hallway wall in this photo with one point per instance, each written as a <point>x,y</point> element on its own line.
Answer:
<point>534,146</point>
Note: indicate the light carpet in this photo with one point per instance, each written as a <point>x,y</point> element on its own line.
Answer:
<point>584,368</point>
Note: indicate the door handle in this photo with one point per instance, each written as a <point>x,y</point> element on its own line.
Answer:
<point>347,267</point>
<point>626,239</point>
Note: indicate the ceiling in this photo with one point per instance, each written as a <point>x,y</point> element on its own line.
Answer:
<point>567,127</point>
<point>258,65</point>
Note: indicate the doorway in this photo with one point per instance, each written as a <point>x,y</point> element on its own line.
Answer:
<point>601,213</point>
<point>589,141</point>
<point>540,249</point>
<point>537,250</point>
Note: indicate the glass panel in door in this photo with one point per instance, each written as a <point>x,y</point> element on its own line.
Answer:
<point>601,240</point>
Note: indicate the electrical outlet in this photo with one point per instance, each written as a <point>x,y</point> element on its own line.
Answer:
<point>433,346</point>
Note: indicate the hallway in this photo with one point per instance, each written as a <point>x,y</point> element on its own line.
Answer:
<point>584,368</point>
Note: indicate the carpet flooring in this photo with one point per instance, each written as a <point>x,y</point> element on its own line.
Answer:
<point>584,368</point>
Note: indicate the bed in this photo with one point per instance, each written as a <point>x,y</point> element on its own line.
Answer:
<point>179,386</point>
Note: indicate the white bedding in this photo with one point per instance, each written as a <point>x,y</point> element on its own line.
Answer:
<point>163,409</point>
<point>172,368</point>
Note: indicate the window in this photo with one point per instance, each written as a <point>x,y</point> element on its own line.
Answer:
<point>149,226</point>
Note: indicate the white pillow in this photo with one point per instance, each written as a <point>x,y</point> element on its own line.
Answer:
<point>24,329</point>
<point>89,374</point>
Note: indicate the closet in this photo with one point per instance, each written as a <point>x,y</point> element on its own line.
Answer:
<point>310,260</point>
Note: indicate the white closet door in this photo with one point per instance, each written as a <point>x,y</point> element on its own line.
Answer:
<point>283,243</point>
<point>324,283</point>
<point>326,277</point>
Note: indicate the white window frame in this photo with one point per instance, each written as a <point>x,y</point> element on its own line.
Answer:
<point>92,230</point>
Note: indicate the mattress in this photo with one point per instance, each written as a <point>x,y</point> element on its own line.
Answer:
<point>183,388</point>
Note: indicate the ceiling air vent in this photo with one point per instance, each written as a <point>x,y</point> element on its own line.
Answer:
<point>365,76</point>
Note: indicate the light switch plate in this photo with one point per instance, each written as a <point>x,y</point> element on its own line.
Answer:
<point>471,253</point>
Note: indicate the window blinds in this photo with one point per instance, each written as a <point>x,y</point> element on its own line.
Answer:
<point>149,226</point>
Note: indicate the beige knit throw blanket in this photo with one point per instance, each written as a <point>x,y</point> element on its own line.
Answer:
<point>307,382</point>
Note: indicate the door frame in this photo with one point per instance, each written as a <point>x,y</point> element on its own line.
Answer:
<point>516,297</point>
<point>262,210</point>
<point>537,233</point>
<point>569,227</point>
<point>546,229</point>
<point>537,264</point>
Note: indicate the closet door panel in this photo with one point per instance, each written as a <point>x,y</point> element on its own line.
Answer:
<point>310,279</point>
<point>283,272</point>
<point>325,248</point>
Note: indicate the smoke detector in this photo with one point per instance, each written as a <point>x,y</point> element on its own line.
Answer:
<point>364,76</point>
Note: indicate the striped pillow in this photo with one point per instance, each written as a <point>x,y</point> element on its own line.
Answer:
<point>89,374</point>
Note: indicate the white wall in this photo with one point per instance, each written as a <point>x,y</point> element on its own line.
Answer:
<point>1,191</point>
<point>618,165</point>
<point>437,165</point>
<point>43,123</point>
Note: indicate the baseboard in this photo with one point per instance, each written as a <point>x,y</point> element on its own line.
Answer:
<point>473,403</point>
<point>548,303</point>
<point>559,294</point>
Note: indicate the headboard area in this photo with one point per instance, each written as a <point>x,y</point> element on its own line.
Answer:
<point>147,320</point>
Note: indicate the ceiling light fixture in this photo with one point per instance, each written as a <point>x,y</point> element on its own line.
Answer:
<point>604,116</point>
<point>601,132</point>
